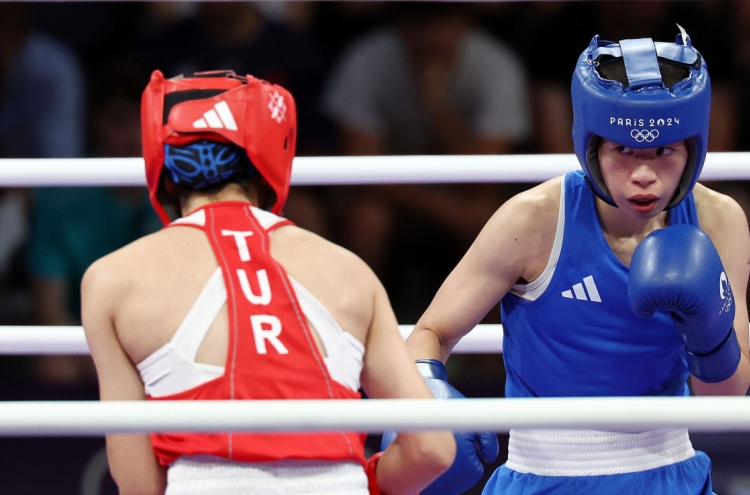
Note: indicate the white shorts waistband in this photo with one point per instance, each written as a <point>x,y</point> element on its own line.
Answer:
<point>594,453</point>
<point>209,475</point>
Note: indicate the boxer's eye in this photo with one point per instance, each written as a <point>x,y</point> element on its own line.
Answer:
<point>624,150</point>
<point>663,151</point>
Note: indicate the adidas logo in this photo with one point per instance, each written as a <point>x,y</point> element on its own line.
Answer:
<point>593,292</point>
<point>219,117</point>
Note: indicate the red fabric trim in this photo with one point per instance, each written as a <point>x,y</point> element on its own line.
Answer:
<point>372,480</point>
<point>279,224</point>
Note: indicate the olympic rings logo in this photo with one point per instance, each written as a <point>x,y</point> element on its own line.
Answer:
<point>644,135</point>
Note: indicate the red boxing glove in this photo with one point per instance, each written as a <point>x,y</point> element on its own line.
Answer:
<point>372,481</point>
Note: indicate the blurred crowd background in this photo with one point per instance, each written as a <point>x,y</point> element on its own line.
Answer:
<point>370,78</point>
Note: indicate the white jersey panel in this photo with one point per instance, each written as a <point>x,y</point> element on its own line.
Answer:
<point>266,219</point>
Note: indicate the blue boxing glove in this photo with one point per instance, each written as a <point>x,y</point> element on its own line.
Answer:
<point>471,448</point>
<point>678,269</point>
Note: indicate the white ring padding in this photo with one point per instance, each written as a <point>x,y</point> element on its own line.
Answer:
<point>346,170</point>
<point>41,340</point>
<point>636,414</point>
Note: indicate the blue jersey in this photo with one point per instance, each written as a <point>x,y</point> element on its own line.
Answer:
<point>572,333</point>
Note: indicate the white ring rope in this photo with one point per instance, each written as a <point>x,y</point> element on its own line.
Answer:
<point>49,340</point>
<point>92,418</point>
<point>30,340</point>
<point>349,170</point>
<point>703,414</point>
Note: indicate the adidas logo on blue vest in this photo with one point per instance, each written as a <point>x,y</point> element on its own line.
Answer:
<point>593,292</point>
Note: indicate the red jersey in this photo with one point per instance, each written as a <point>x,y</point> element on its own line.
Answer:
<point>271,354</point>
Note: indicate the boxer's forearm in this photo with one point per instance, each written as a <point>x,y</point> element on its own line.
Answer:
<point>413,461</point>
<point>424,343</point>
<point>134,466</point>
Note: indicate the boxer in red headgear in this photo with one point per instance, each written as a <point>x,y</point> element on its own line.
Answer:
<point>257,116</point>
<point>232,302</point>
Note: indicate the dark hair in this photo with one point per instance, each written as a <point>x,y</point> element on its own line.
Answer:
<point>613,68</point>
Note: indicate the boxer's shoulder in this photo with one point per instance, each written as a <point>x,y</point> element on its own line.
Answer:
<point>175,245</point>
<point>543,199</point>
<point>293,245</point>
<point>146,265</point>
<point>522,232</point>
<point>334,275</point>
<point>718,214</point>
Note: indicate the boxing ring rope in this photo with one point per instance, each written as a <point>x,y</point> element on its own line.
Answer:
<point>93,418</point>
<point>346,170</point>
<point>49,340</point>
<point>71,341</point>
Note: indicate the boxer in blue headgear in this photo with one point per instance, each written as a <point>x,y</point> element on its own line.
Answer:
<point>642,95</point>
<point>615,280</point>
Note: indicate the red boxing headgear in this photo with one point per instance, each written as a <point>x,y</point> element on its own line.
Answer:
<point>255,115</point>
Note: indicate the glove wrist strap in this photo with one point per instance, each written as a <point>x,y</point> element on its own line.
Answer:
<point>432,368</point>
<point>719,364</point>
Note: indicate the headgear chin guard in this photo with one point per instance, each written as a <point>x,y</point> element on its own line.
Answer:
<point>257,116</point>
<point>649,111</point>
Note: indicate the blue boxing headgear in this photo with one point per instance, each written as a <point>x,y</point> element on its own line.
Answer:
<point>201,164</point>
<point>648,111</point>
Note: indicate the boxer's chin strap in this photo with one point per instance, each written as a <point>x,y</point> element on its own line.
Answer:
<point>432,368</point>
<point>719,364</point>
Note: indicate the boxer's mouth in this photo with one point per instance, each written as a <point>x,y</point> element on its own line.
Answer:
<point>643,203</point>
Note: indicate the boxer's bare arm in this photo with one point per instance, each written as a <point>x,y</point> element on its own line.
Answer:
<point>413,460</point>
<point>514,246</point>
<point>131,458</point>
<point>725,222</point>
<point>353,294</point>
